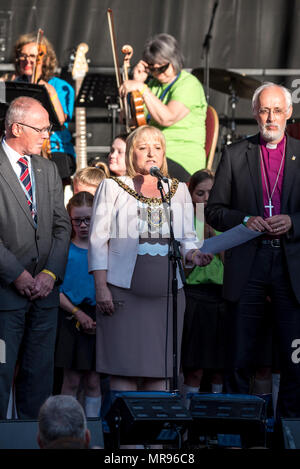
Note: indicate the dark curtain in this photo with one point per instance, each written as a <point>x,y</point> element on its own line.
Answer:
<point>246,33</point>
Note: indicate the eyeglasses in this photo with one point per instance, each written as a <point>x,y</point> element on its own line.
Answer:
<point>277,112</point>
<point>27,56</point>
<point>78,221</point>
<point>160,69</point>
<point>39,131</point>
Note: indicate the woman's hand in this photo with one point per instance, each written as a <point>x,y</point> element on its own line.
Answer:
<point>140,71</point>
<point>104,303</point>
<point>130,85</point>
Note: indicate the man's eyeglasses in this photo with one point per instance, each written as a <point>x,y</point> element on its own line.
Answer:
<point>160,69</point>
<point>265,111</point>
<point>78,221</point>
<point>39,131</point>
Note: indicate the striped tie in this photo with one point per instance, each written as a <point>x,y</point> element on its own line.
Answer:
<point>25,179</point>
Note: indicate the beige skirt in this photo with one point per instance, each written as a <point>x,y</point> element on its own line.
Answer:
<point>137,340</point>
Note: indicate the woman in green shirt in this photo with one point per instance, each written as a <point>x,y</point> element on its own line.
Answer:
<point>174,102</point>
<point>202,340</point>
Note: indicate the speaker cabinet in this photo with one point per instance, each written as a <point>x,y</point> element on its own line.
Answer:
<point>234,414</point>
<point>147,417</point>
<point>21,434</point>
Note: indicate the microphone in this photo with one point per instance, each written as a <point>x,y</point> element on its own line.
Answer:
<point>155,172</point>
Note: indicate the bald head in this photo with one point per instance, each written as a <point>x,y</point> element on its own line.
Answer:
<point>26,126</point>
<point>19,109</point>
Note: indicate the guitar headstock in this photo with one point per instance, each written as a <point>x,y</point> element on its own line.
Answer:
<point>80,66</point>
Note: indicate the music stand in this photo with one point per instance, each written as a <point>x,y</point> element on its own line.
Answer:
<point>97,90</point>
<point>100,90</point>
<point>14,89</point>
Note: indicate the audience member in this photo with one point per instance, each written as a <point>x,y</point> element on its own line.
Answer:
<point>61,421</point>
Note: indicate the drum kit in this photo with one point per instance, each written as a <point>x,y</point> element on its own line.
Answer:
<point>236,86</point>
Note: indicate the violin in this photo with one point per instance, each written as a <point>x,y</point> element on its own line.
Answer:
<point>133,105</point>
<point>136,101</point>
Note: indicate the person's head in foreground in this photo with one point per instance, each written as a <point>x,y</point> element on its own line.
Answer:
<point>62,417</point>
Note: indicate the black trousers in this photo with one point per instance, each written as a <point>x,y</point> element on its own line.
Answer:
<point>244,329</point>
<point>29,336</point>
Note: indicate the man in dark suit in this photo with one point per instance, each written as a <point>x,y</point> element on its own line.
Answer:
<point>34,239</point>
<point>258,184</point>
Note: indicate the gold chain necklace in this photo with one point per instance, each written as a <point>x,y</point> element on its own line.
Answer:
<point>147,200</point>
<point>155,217</point>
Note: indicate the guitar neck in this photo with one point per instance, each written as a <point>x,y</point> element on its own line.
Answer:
<point>80,132</point>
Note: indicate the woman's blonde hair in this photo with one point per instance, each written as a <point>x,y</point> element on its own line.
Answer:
<point>49,59</point>
<point>91,175</point>
<point>130,145</point>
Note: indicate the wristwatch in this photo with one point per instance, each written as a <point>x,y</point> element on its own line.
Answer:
<point>246,219</point>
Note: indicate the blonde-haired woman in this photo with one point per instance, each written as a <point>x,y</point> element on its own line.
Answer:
<point>128,256</point>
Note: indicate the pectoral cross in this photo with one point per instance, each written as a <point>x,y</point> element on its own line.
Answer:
<point>270,206</point>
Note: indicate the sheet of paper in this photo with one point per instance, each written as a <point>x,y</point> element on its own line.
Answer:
<point>229,239</point>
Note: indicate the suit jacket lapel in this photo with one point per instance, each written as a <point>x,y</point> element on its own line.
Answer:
<point>39,185</point>
<point>253,159</point>
<point>10,176</point>
<point>290,166</point>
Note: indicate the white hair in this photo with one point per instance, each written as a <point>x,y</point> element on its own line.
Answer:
<point>59,417</point>
<point>269,84</point>
<point>19,109</point>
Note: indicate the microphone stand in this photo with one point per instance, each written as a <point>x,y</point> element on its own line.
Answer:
<point>174,258</point>
<point>205,50</point>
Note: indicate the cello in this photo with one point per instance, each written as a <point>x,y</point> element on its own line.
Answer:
<point>132,105</point>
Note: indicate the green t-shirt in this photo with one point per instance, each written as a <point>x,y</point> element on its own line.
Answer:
<point>185,139</point>
<point>211,273</point>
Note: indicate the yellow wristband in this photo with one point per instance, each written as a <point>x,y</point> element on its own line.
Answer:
<point>53,97</point>
<point>75,309</point>
<point>145,87</point>
<point>194,253</point>
<point>50,273</point>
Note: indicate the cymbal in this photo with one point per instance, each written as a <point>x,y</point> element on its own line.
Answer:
<point>225,81</point>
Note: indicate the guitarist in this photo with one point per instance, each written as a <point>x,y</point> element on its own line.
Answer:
<point>27,55</point>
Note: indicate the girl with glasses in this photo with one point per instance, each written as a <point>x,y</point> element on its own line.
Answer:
<point>75,350</point>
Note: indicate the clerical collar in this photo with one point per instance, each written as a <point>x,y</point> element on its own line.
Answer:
<point>271,146</point>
